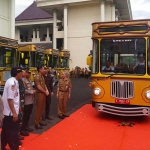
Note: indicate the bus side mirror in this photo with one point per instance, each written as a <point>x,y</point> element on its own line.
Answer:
<point>89,60</point>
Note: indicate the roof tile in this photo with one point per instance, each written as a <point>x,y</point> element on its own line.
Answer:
<point>33,13</point>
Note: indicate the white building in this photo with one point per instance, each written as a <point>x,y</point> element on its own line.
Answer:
<point>33,26</point>
<point>77,17</point>
<point>68,24</point>
<point>7,18</point>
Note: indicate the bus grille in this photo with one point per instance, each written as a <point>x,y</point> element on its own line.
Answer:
<point>122,89</point>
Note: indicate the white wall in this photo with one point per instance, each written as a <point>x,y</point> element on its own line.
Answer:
<point>6,18</point>
<point>80,19</point>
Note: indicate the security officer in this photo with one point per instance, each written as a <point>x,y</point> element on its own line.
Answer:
<point>11,124</point>
<point>41,94</point>
<point>28,103</point>
<point>63,94</point>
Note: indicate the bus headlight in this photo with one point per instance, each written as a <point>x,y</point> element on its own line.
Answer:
<point>97,91</point>
<point>147,94</point>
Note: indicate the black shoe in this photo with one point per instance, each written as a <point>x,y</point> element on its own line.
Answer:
<point>49,118</point>
<point>21,137</point>
<point>24,133</point>
<point>29,129</point>
<point>42,124</point>
<point>61,117</point>
<point>20,143</point>
<point>65,115</point>
<point>38,127</point>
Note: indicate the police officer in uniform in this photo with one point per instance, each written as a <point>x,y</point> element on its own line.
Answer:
<point>28,103</point>
<point>41,94</point>
<point>63,94</point>
<point>11,124</point>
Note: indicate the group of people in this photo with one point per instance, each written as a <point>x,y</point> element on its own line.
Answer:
<point>80,73</point>
<point>138,68</point>
<point>18,99</point>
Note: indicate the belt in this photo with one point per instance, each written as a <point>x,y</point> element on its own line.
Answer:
<point>63,91</point>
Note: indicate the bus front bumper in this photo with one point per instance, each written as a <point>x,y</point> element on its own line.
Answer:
<point>122,110</point>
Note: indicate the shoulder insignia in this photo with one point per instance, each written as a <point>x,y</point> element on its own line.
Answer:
<point>13,87</point>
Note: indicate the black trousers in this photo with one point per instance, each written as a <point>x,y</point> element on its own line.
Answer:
<point>47,105</point>
<point>26,116</point>
<point>9,134</point>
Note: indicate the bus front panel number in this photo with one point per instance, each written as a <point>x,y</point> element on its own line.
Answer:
<point>122,101</point>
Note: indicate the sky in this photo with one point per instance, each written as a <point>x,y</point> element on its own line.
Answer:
<point>140,8</point>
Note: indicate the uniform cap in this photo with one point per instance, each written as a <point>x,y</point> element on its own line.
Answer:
<point>16,69</point>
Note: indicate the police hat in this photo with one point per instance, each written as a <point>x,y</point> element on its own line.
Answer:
<point>16,69</point>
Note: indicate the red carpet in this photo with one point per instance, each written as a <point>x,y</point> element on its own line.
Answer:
<point>87,129</point>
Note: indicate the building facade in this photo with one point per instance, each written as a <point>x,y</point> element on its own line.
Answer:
<point>33,26</point>
<point>68,25</point>
<point>7,18</point>
<point>77,17</point>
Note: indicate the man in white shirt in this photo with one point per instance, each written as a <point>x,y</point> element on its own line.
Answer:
<point>11,124</point>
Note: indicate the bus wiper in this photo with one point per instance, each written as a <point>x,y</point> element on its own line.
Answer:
<point>110,76</point>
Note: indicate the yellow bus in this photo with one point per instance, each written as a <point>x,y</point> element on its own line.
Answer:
<point>8,57</point>
<point>120,60</point>
<point>30,56</point>
<point>51,57</point>
<point>57,59</point>
<point>64,57</point>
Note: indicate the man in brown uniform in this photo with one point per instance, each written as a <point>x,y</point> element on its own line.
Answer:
<point>42,92</point>
<point>63,94</point>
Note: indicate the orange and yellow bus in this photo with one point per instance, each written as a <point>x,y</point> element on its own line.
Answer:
<point>120,61</point>
<point>8,57</point>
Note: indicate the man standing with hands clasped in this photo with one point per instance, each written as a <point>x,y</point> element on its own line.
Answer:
<point>49,85</point>
<point>63,94</point>
<point>41,94</point>
<point>11,124</point>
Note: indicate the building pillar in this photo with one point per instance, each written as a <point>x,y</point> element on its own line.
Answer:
<point>47,36</point>
<point>38,34</point>
<point>33,39</point>
<point>18,36</point>
<point>116,18</point>
<point>54,28</point>
<point>117,15</point>
<point>102,10</point>
<point>112,11</point>
<point>65,27</point>
<point>12,19</point>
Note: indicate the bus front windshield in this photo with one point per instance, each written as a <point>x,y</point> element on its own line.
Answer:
<point>64,63</point>
<point>7,57</point>
<point>39,59</point>
<point>27,59</point>
<point>123,56</point>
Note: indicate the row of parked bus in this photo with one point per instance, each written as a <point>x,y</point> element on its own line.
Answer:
<point>29,56</point>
